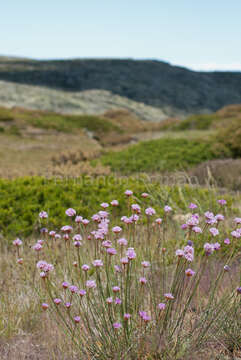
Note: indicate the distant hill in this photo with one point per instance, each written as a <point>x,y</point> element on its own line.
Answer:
<point>175,90</point>
<point>92,102</point>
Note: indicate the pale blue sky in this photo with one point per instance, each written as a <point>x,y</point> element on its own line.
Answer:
<point>201,34</point>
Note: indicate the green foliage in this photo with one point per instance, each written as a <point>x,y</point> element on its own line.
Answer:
<point>22,199</point>
<point>230,137</point>
<point>6,114</point>
<point>2,129</point>
<point>197,122</point>
<point>160,155</point>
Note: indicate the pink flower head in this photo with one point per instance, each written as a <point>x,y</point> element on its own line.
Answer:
<point>77,237</point>
<point>74,289</point>
<point>216,246</point>
<point>226,268</point>
<point>237,220</point>
<point>67,305</point>
<point>222,202</point>
<point>214,231</point>
<point>57,301</point>
<point>189,253</point>
<point>219,217</point>
<point>193,221</point>
<point>96,217</point>
<point>70,212</point>
<point>44,306</point>
<point>167,209</point>
<point>104,205</point>
<point>78,219</point>
<point>103,214</point>
<point>20,261</point>
<point>65,285</point>
<point>197,229</point>
<point>130,253</point>
<point>192,206</point>
<point>75,264</point>
<point>37,247</point>
<point>227,241</point>
<point>136,208</point>
<point>144,195</point>
<point>128,193</point>
<point>43,215</point>
<point>127,316</point>
<point>66,229</point>
<point>91,284</point>
<point>111,251</point>
<point>41,242</point>
<point>43,265</point>
<point>44,230</point>
<point>106,244</point>
<point>82,292</point>
<point>124,261</point>
<point>114,203</point>
<point>142,280</point>
<point>168,296</point>
<point>118,301</point>
<point>77,244</point>
<point>116,289</point>
<point>161,306</point>
<point>144,316</point>
<point>117,268</point>
<point>77,319</point>
<point>158,221</point>
<point>122,241</point>
<point>116,229</point>
<point>208,248</point>
<point>189,272</point>
<point>85,222</point>
<point>85,267</point>
<point>97,263</point>
<point>236,234</point>
<point>145,264</point>
<point>117,325</point>
<point>57,236</point>
<point>17,242</point>
<point>109,300</point>
<point>239,290</point>
<point>184,226</point>
<point>52,233</point>
<point>150,211</point>
<point>180,253</point>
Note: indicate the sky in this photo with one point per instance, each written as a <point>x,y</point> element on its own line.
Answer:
<point>198,34</point>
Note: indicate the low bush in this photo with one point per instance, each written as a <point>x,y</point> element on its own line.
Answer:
<point>22,199</point>
<point>229,136</point>
<point>161,155</point>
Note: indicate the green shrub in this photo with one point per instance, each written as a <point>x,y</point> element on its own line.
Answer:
<point>230,137</point>
<point>197,122</point>
<point>2,129</point>
<point>6,114</point>
<point>22,199</point>
<point>160,155</point>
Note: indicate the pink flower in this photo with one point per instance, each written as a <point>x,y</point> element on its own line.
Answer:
<point>116,289</point>
<point>189,272</point>
<point>227,241</point>
<point>103,214</point>
<point>118,301</point>
<point>184,226</point>
<point>222,202</point>
<point>216,246</point>
<point>77,237</point>
<point>239,290</point>
<point>70,212</point>
<point>85,267</point>
<point>107,244</point>
<point>214,231</point>
<point>44,306</point>
<point>114,203</point>
<point>128,193</point>
<point>96,217</point>
<point>66,229</point>
<point>208,248</point>
<point>189,253</point>
<point>116,229</point>
<point>97,263</point>
<point>117,268</point>
<point>159,221</point>
<point>52,233</point>
<point>122,241</point>
<point>104,205</point>
<point>124,261</point>
<point>150,211</point>
<point>197,229</point>
<point>117,325</point>
<point>20,261</point>
<point>144,316</point>
<point>17,242</point>
<point>237,220</point>
<point>111,251</point>
<point>57,236</point>
<point>67,305</point>
<point>77,319</point>
<point>130,253</point>
<point>142,280</point>
<point>57,301</point>
<point>82,292</point>
<point>145,264</point>
<point>43,215</point>
<point>168,296</point>
<point>65,285</point>
<point>236,234</point>
<point>192,206</point>
<point>219,217</point>
<point>37,247</point>
<point>74,289</point>
<point>91,284</point>
<point>109,300</point>
<point>161,306</point>
<point>78,219</point>
<point>167,209</point>
<point>144,195</point>
<point>77,244</point>
<point>180,253</point>
<point>85,222</point>
<point>136,208</point>
<point>226,268</point>
<point>127,316</point>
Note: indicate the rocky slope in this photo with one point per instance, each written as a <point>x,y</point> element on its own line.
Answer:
<point>92,102</point>
<point>174,89</point>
